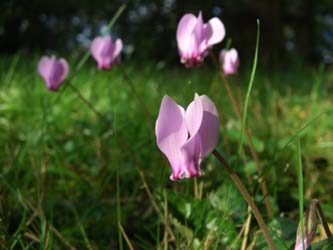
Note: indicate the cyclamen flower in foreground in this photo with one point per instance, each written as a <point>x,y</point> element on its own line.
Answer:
<point>105,51</point>
<point>186,137</point>
<point>53,71</point>
<point>194,38</point>
<point>230,61</point>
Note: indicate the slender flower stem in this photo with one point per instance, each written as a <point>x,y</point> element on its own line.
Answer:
<point>137,96</point>
<point>116,16</point>
<point>254,154</point>
<point>89,104</point>
<point>247,197</point>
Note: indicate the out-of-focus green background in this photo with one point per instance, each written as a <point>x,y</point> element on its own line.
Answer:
<point>289,28</point>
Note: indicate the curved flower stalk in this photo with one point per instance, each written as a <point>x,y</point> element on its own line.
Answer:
<point>53,71</point>
<point>229,61</point>
<point>105,51</point>
<point>195,38</point>
<point>186,137</point>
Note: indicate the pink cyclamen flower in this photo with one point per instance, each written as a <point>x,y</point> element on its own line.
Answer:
<point>53,71</point>
<point>186,137</point>
<point>230,61</point>
<point>194,38</point>
<point>105,51</point>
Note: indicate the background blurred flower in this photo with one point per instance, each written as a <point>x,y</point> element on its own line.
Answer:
<point>186,137</point>
<point>105,51</point>
<point>194,38</point>
<point>53,71</point>
<point>230,61</point>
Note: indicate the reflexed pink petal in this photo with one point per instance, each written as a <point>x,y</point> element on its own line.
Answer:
<point>65,68</point>
<point>44,66</point>
<point>202,121</point>
<point>206,34</point>
<point>106,55</point>
<point>191,155</point>
<point>199,30</point>
<point>53,71</point>
<point>105,52</point>
<point>233,55</point>
<point>96,48</point>
<point>184,35</point>
<point>209,130</point>
<point>194,115</point>
<point>218,31</point>
<point>171,132</point>
<point>230,61</point>
<point>106,47</point>
<point>118,46</point>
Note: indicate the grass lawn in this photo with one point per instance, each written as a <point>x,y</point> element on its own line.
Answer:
<point>70,179</point>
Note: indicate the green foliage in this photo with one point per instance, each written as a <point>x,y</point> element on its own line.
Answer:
<point>284,234</point>
<point>59,162</point>
<point>323,245</point>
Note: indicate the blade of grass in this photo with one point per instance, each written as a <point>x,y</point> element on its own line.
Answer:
<point>165,237</point>
<point>254,67</point>
<point>82,61</point>
<point>287,145</point>
<point>81,228</point>
<point>126,237</point>
<point>18,233</point>
<point>228,44</point>
<point>247,197</point>
<point>300,186</point>
<point>246,229</point>
<point>151,198</point>
<point>137,96</point>
<point>236,107</point>
<point>116,16</point>
<point>37,212</point>
<point>43,233</point>
<point>120,238</point>
<point>11,71</point>
<point>317,81</point>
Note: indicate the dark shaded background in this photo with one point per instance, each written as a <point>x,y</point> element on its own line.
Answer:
<point>289,28</point>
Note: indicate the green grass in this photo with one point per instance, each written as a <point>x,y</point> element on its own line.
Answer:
<point>300,187</point>
<point>68,179</point>
<point>249,89</point>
